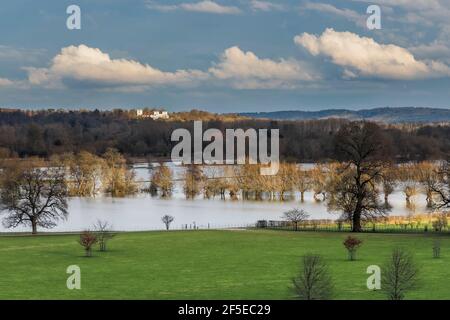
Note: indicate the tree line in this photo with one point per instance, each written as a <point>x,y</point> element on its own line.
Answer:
<point>46,133</point>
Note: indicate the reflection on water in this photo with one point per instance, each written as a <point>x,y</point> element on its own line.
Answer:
<point>143,212</point>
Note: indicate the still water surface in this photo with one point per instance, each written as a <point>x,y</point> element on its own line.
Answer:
<point>144,212</point>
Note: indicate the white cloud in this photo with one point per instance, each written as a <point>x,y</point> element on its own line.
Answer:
<point>84,66</point>
<point>5,82</point>
<point>362,56</point>
<point>258,5</point>
<point>436,50</point>
<point>90,65</point>
<point>10,53</point>
<point>348,14</point>
<point>245,70</point>
<point>206,6</point>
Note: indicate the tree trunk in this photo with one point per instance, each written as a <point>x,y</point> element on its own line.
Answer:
<point>302,196</point>
<point>356,227</point>
<point>34,226</point>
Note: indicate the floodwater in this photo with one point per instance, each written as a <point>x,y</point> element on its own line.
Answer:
<point>144,212</point>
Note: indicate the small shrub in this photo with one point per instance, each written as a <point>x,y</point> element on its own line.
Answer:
<point>103,233</point>
<point>87,240</point>
<point>314,281</point>
<point>436,249</point>
<point>352,244</point>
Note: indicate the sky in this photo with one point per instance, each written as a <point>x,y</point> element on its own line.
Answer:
<point>225,56</point>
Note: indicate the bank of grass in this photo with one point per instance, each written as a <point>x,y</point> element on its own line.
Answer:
<point>228,264</point>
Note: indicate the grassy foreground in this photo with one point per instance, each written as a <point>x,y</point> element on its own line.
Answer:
<point>242,264</point>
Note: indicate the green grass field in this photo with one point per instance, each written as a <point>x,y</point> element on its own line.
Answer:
<point>228,264</point>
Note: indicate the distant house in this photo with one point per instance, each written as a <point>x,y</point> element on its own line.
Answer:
<point>159,115</point>
<point>155,115</point>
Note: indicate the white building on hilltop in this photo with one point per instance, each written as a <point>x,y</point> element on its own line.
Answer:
<point>154,114</point>
<point>159,115</point>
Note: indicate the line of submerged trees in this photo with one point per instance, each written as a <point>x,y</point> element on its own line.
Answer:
<point>352,184</point>
<point>321,179</point>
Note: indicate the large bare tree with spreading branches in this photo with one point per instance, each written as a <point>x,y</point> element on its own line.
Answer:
<point>364,151</point>
<point>33,196</point>
<point>442,188</point>
<point>295,216</point>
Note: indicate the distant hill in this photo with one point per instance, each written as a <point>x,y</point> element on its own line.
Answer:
<point>389,115</point>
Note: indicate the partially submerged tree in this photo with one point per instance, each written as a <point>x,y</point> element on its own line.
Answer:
<point>103,233</point>
<point>399,275</point>
<point>193,180</point>
<point>85,172</point>
<point>118,179</point>
<point>167,220</point>
<point>87,240</point>
<point>318,180</point>
<point>364,152</point>
<point>428,174</point>
<point>314,281</point>
<point>389,182</point>
<point>161,180</point>
<point>302,182</point>
<point>33,196</point>
<point>295,216</point>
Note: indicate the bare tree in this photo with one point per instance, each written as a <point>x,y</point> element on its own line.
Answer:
<point>103,232</point>
<point>442,187</point>
<point>314,281</point>
<point>167,220</point>
<point>296,216</point>
<point>364,150</point>
<point>33,196</point>
<point>399,275</point>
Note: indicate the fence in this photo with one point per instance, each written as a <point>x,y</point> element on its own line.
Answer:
<point>269,225</point>
<point>340,227</point>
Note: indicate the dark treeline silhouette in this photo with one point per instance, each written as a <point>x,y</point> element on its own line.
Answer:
<point>46,133</point>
